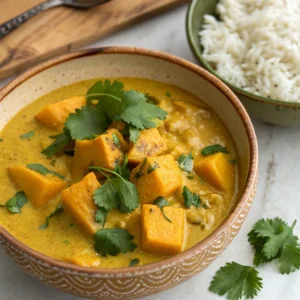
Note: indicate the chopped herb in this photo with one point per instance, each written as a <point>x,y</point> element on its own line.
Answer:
<point>153,167</point>
<point>134,134</point>
<point>116,192</point>
<point>66,242</point>
<point>2,205</point>
<point>168,94</point>
<point>186,162</point>
<point>236,281</point>
<point>72,224</point>
<point>27,135</point>
<point>15,203</point>
<point>140,173</point>
<point>232,161</point>
<point>59,209</point>
<point>202,181</point>
<point>123,169</point>
<point>1,140</point>
<point>43,170</point>
<point>161,202</point>
<point>113,241</point>
<point>189,176</point>
<point>69,152</point>
<point>213,149</point>
<point>151,210</point>
<point>272,239</point>
<point>134,262</point>
<point>190,198</point>
<point>116,140</point>
<point>52,162</point>
<point>100,216</point>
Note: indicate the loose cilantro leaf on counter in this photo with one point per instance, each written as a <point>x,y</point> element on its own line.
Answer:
<point>116,192</point>
<point>61,140</point>
<point>112,241</point>
<point>161,202</point>
<point>236,281</point>
<point>27,135</point>
<point>116,140</point>
<point>100,216</point>
<point>122,168</point>
<point>190,198</point>
<point>134,262</point>
<point>153,167</point>
<point>213,149</point>
<point>59,209</point>
<point>86,123</point>
<point>15,204</point>
<point>134,134</point>
<point>273,238</point>
<point>43,170</point>
<point>186,162</point>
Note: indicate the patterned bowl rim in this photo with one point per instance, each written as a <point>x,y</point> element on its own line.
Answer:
<point>69,268</point>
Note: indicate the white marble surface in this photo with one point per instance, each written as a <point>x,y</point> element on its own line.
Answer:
<point>277,194</point>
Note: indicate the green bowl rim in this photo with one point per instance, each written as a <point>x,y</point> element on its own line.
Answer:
<point>194,46</point>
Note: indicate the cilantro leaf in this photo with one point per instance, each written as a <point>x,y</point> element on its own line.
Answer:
<point>15,203</point>
<point>289,260</point>
<point>236,281</point>
<point>116,192</point>
<point>134,134</point>
<point>59,209</point>
<point>134,262</point>
<point>213,149</point>
<point>61,140</point>
<point>116,140</point>
<point>27,135</point>
<point>190,198</point>
<point>86,123</point>
<point>43,170</point>
<point>136,111</point>
<point>123,169</point>
<point>113,241</point>
<point>100,216</point>
<point>186,162</point>
<point>161,202</point>
<point>139,173</point>
<point>1,140</point>
<point>168,94</point>
<point>153,167</point>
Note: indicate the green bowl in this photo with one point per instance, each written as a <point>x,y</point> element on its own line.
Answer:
<point>265,109</point>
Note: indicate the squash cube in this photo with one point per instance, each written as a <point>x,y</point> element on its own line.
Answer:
<point>102,152</point>
<point>158,236</point>
<point>78,201</point>
<point>38,188</point>
<point>150,143</point>
<point>56,114</point>
<point>216,170</point>
<point>156,176</point>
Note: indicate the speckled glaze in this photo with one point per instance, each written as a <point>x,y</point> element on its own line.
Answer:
<point>134,282</point>
<point>265,109</point>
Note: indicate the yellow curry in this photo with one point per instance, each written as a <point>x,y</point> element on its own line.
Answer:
<point>115,173</point>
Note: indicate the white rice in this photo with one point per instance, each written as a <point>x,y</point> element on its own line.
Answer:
<point>256,46</point>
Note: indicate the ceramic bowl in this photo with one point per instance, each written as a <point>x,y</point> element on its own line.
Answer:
<point>134,282</point>
<point>265,109</point>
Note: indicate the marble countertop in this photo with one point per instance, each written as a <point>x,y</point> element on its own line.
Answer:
<point>277,194</point>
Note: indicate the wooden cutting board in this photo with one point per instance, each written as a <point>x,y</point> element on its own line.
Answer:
<point>61,29</point>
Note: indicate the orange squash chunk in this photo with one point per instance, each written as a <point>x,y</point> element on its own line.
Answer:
<point>150,143</point>
<point>56,114</point>
<point>101,152</point>
<point>216,170</point>
<point>78,201</point>
<point>38,188</point>
<point>163,181</point>
<point>158,236</point>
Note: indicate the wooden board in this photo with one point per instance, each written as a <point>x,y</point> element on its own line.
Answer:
<point>61,29</point>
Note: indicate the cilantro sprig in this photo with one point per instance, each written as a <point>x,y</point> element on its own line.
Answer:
<point>191,198</point>
<point>15,204</point>
<point>213,149</point>
<point>161,202</point>
<point>58,210</point>
<point>186,162</point>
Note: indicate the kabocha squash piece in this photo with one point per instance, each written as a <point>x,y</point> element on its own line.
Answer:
<point>104,151</point>
<point>158,236</point>
<point>150,143</point>
<point>78,201</point>
<point>56,114</point>
<point>109,149</point>
<point>156,176</point>
<point>83,157</point>
<point>38,188</point>
<point>216,170</point>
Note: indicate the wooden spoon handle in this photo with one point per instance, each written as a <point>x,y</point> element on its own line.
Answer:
<point>15,22</point>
